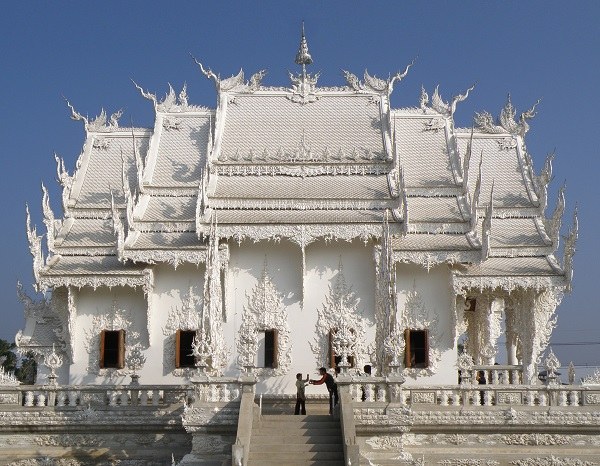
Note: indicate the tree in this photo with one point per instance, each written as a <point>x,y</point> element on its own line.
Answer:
<point>26,371</point>
<point>8,357</point>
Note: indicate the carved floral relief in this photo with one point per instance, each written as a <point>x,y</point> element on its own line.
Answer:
<point>264,311</point>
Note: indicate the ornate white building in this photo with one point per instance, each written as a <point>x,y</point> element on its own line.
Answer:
<point>296,227</point>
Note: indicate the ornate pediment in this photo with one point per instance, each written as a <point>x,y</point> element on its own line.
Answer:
<point>340,311</point>
<point>264,311</point>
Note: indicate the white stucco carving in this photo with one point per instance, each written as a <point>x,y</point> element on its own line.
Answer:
<point>264,311</point>
<point>114,318</point>
<point>416,316</point>
<point>340,308</point>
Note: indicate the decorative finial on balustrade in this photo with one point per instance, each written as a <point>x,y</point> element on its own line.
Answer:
<point>552,364</point>
<point>571,373</point>
<point>52,361</point>
<point>135,361</point>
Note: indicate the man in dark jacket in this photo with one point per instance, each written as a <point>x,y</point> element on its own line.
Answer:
<point>327,379</point>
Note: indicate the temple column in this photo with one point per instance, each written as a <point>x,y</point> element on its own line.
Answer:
<point>475,317</point>
<point>510,320</point>
<point>537,321</point>
<point>492,329</point>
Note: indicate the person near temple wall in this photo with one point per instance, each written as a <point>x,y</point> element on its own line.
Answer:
<point>327,379</point>
<point>300,394</point>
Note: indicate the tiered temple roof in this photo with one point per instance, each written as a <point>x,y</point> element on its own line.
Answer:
<point>305,163</point>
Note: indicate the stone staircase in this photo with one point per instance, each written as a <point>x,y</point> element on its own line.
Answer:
<point>313,439</point>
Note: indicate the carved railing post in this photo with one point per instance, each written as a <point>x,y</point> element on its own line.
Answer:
<point>53,361</point>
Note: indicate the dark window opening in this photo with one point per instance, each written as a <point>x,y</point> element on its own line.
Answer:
<point>470,304</point>
<point>417,348</point>
<point>271,348</point>
<point>183,345</point>
<point>112,349</point>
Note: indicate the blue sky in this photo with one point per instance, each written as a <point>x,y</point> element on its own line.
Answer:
<point>89,51</point>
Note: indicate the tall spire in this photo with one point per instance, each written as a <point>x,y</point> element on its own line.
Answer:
<point>303,85</point>
<point>303,56</point>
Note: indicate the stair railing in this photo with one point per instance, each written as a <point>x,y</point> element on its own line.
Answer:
<point>346,412</point>
<point>241,448</point>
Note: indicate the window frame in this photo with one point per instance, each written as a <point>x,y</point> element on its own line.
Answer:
<point>179,363</point>
<point>410,350</point>
<point>120,350</point>
<point>273,349</point>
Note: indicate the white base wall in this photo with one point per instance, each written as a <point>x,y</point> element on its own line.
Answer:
<point>152,321</point>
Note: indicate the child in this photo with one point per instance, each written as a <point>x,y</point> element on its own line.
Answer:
<point>300,395</point>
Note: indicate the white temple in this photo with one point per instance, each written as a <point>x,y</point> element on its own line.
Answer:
<point>291,228</point>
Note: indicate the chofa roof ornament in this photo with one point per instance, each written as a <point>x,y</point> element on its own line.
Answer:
<point>437,103</point>
<point>100,124</point>
<point>234,82</point>
<point>303,85</point>
<point>375,84</point>
<point>506,121</point>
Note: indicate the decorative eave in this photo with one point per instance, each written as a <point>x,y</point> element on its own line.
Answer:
<point>463,285</point>
<point>302,235</point>
<point>296,204</point>
<point>144,279</point>
<point>430,259</point>
<point>173,257</point>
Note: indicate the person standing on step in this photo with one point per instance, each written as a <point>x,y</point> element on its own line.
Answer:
<point>300,395</point>
<point>327,379</point>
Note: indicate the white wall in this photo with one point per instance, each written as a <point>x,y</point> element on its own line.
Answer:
<point>91,305</point>
<point>284,262</point>
<point>434,289</point>
<point>285,268</point>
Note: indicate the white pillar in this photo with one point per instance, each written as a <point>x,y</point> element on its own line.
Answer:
<point>510,322</point>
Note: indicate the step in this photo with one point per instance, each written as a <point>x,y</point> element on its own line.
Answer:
<point>298,457</point>
<point>296,447</point>
<point>293,462</point>
<point>299,418</point>
<point>310,438</point>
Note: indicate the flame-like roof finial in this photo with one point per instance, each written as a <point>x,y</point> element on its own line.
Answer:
<point>303,56</point>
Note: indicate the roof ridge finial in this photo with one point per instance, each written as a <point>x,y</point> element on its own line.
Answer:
<point>303,56</point>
